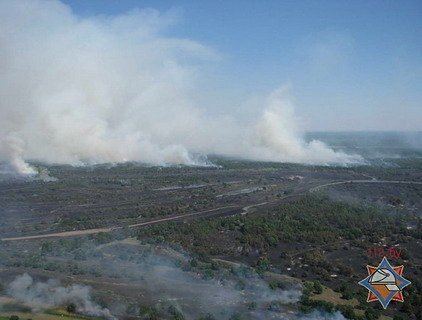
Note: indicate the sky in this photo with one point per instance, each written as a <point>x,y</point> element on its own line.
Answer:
<point>349,65</point>
<point>169,82</point>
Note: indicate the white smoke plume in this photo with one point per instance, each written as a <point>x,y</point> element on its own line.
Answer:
<point>278,138</point>
<point>116,88</point>
<point>52,294</point>
<point>13,149</point>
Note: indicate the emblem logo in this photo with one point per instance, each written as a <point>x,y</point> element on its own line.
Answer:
<point>385,283</point>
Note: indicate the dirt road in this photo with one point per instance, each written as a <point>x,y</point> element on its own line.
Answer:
<point>241,210</point>
<point>109,229</point>
<point>362,181</point>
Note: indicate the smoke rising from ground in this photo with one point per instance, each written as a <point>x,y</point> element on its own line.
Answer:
<point>278,138</point>
<point>52,294</point>
<point>158,279</point>
<point>320,315</point>
<point>116,88</point>
<point>162,278</point>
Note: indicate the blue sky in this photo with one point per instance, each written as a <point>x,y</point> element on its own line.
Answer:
<point>350,65</point>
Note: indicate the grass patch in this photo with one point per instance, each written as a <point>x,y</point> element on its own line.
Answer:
<point>330,295</point>
<point>46,315</point>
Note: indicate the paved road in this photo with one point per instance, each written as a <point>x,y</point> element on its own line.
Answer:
<point>243,210</point>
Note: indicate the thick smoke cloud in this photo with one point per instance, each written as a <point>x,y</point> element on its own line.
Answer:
<point>116,88</point>
<point>52,294</point>
<point>278,138</point>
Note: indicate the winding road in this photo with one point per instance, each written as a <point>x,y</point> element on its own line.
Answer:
<point>363,181</point>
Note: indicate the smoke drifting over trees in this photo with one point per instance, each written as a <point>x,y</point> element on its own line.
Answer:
<point>116,88</point>
<point>51,293</point>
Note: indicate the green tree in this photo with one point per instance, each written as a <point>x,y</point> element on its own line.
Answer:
<point>71,308</point>
<point>371,314</point>
<point>317,287</point>
<point>235,316</point>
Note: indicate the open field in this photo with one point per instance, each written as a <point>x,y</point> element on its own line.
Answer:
<point>152,240</point>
